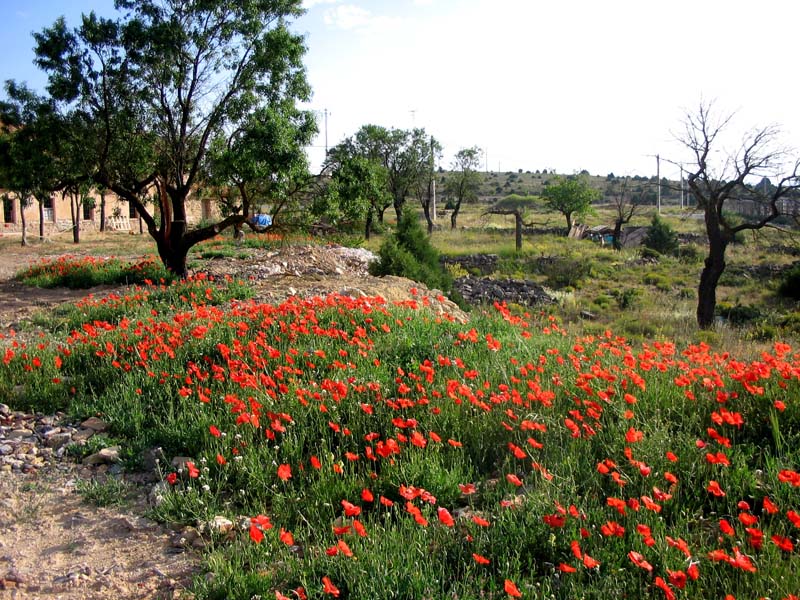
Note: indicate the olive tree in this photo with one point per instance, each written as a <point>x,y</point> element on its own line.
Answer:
<point>723,181</point>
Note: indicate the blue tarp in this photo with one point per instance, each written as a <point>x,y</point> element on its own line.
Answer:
<point>263,221</point>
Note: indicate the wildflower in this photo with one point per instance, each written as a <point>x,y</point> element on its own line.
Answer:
<point>511,589</point>
<point>445,518</point>
<point>481,560</point>
<point>782,542</point>
<point>284,472</point>
<point>329,588</point>
<point>639,560</point>
<point>513,479</point>
<point>350,510</point>
<point>713,487</point>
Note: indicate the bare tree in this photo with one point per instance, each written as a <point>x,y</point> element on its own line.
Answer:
<point>626,203</point>
<point>731,179</point>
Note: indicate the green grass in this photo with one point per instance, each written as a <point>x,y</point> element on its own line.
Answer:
<point>300,415</point>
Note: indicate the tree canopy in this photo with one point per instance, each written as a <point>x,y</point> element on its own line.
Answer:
<point>571,196</point>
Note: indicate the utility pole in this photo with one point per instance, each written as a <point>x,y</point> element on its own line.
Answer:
<point>658,177</point>
<point>432,182</point>
<point>326,113</point>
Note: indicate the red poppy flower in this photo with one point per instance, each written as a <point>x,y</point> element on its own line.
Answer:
<point>367,496</point>
<point>284,472</point>
<point>639,560</point>
<point>351,510</point>
<point>565,568</point>
<point>513,479</point>
<point>445,518</point>
<point>713,487</point>
<point>511,589</point>
<point>481,560</point>
<point>286,537</point>
<point>784,543</point>
<point>329,588</point>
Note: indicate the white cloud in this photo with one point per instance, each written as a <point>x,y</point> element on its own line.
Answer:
<point>309,4</point>
<point>348,16</point>
<point>355,18</point>
<point>423,2</point>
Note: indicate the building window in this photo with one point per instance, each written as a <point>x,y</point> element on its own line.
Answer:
<point>8,210</point>
<point>132,211</point>
<point>49,210</point>
<point>88,211</point>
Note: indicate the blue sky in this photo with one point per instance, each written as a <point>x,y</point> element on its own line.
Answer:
<point>566,85</point>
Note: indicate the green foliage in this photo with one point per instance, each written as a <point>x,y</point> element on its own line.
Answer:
<point>409,253</point>
<point>571,196</point>
<point>738,314</point>
<point>661,237</point>
<point>689,254</point>
<point>566,272</point>
<point>111,492</point>
<point>790,284</point>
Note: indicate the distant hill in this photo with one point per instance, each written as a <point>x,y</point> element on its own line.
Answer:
<point>496,185</point>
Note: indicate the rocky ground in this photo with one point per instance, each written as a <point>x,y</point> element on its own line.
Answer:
<point>56,545</point>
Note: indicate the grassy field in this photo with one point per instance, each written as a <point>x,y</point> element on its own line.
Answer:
<point>372,451</point>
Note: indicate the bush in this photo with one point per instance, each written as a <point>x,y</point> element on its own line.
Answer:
<point>566,273</point>
<point>689,254</point>
<point>409,253</point>
<point>790,286</point>
<point>738,314</point>
<point>661,237</point>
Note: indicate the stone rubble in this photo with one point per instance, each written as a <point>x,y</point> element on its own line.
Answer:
<point>30,441</point>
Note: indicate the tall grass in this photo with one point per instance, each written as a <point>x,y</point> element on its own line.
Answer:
<point>379,451</point>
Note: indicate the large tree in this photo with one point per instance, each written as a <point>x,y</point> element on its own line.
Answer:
<point>28,165</point>
<point>571,196</point>
<point>465,180</point>
<point>401,152</point>
<point>357,190</point>
<point>424,182</point>
<point>160,83</point>
<point>722,182</point>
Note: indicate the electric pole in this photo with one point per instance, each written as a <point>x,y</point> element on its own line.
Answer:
<point>658,177</point>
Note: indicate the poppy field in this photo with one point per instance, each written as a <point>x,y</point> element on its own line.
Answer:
<point>374,450</point>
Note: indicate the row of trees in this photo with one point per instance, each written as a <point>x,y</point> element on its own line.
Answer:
<point>379,167</point>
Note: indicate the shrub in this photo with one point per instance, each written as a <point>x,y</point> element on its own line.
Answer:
<point>738,314</point>
<point>409,253</point>
<point>790,286</point>
<point>566,273</point>
<point>627,298</point>
<point>689,254</point>
<point>661,237</point>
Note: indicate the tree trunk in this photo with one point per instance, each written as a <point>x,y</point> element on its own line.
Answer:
<point>454,216</point>
<point>518,231</point>
<point>102,211</point>
<point>712,271</point>
<point>426,209</point>
<point>615,241</point>
<point>75,210</point>
<point>569,222</point>
<point>24,225</point>
<point>41,220</point>
<point>368,225</point>
<point>398,210</point>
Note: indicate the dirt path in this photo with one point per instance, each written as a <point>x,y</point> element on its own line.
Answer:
<point>52,543</point>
